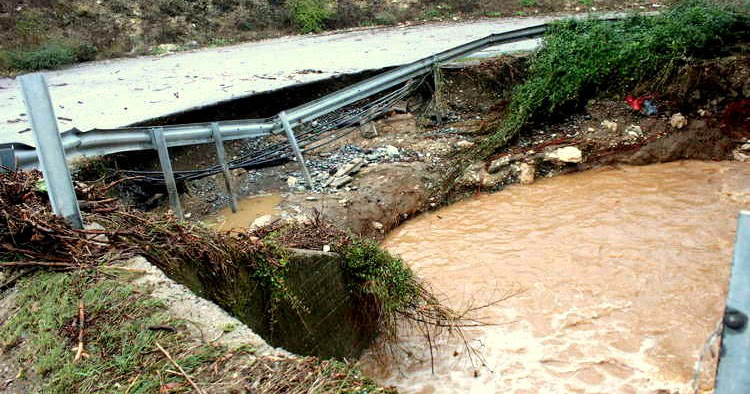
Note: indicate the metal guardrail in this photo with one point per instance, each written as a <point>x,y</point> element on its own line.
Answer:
<point>732,376</point>
<point>100,142</point>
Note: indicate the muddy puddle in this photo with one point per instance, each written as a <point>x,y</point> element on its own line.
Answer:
<point>619,277</point>
<point>248,209</point>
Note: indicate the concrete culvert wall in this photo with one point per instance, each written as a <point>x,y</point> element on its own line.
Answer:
<point>320,318</point>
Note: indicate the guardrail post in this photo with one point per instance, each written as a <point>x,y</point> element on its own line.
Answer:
<point>295,147</point>
<point>734,358</point>
<point>438,94</point>
<point>221,157</point>
<point>49,147</point>
<point>157,137</point>
<point>7,158</point>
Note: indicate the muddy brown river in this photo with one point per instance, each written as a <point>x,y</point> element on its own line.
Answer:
<point>617,276</point>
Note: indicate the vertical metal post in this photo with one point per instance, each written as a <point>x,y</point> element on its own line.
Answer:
<point>49,147</point>
<point>438,98</point>
<point>295,147</point>
<point>157,137</point>
<point>734,359</point>
<point>7,158</point>
<point>221,157</point>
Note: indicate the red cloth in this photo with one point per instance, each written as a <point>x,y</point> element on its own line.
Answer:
<point>637,103</point>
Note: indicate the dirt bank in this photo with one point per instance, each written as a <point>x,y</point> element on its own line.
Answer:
<point>395,167</point>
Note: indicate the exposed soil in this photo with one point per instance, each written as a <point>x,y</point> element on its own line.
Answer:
<point>390,189</point>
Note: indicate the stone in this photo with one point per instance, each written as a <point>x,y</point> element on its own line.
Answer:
<point>351,168</point>
<point>377,226</point>
<point>326,248</point>
<point>634,131</point>
<point>392,151</point>
<point>311,198</point>
<point>678,121</point>
<point>492,180</point>
<point>740,156</point>
<point>464,144</point>
<point>400,107</point>
<point>527,173</point>
<point>239,172</point>
<point>568,154</point>
<point>610,125</point>
<point>291,182</point>
<point>472,175</point>
<point>497,164</point>
<point>262,221</point>
<point>341,181</point>
<point>95,237</point>
<point>368,130</point>
<point>168,47</point>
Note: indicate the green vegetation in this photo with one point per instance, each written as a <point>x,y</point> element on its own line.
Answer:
<point>309,16</point>
<point>581,59</point>
<point>119,348</point>
<point>528,3</point>
<point>122,327</point>
<point>373,271</point>
<point>51,55</point>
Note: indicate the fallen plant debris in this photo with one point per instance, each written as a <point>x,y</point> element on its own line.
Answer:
<point>34,239</point>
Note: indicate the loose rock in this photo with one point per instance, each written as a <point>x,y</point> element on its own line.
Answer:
<point>527,174</point>
<point>497,164</point>
<point>341,181</point>
<point>262,221</point>
<point>609,125</point>
<point>368,130</point>
<point>568,154</point>
<point>634,131</point>
<point>678,121</point>
<point>291,182</point>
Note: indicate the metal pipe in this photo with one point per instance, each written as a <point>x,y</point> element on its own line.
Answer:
<point>38,103</point>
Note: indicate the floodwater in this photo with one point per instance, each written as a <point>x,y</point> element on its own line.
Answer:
<point>248,209</point>
<point>618,276</point>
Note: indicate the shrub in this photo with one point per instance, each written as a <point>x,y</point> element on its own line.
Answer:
<point>580,59</point>
<point>50,55</point>
<point>309,16</point>
<point>385,18</point>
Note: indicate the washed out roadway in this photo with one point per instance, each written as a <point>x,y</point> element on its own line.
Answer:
<point>122,92</point>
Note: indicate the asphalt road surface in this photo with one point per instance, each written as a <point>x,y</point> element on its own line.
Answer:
<point>121,92</point>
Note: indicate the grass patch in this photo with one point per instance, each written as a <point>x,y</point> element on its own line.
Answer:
<point>118,344</point>
<point>582,59</point>
<point>51,55</point>
<point>121,352</point>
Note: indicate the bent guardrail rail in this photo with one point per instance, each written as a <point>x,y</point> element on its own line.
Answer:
<point>101,142</point>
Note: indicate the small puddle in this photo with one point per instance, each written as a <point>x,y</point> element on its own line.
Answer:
<point>248,209</point>
<point>623,275</point>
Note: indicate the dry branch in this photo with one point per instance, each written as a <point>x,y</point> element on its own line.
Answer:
<point>182,371</point>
